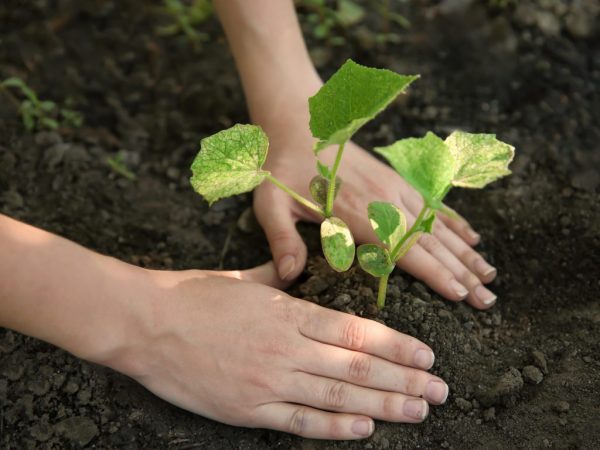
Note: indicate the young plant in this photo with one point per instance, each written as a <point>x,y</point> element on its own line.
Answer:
<point>231,161</point>
<point>39,114</point>
<point>186,18</point>
<point>432,166</point>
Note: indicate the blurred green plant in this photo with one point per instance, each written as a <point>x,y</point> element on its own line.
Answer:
<point>38,114</point>
<point>117,164</point>
<point>186,17</point>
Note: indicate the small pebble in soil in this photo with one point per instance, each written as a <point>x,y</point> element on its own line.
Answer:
<point>507,385</point>
<point>79,430</point>
<point>539,359</point>
<point>341,300</point>
<point>532,375</point>
<point>464,405</point>
<point>314,285</point>
<point>560,406</point>
<point>489,414</point>
<point>587,359</point>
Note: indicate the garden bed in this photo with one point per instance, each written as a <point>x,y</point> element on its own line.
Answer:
<point>525,374</point>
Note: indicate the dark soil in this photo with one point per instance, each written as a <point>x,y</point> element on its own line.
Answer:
<point>525,374</point>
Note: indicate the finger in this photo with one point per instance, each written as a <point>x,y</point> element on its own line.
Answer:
<point>313,423</point>
<point>469,257</point>
<point>363,335</point>
<point>339,396</point>
<point>275,214</point>
<point>369,371</point>
<point>461,227</point>
<point>264,274</point>
<point>424,266</point>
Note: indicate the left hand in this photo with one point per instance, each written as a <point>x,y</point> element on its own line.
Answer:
<point>444,260</point>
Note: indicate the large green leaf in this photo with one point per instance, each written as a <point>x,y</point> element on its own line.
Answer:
<point>374,260</point>
<point>388,222</point>
<point>338,244</point>
<point>480,158</point>
<point>230,162</point>
<point>426,163</point>
<point>354,95</point>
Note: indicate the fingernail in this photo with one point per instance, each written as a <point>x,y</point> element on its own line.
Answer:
<point>436,392</point>
<point>417,409</point>
<point>483,268</point>
<point>363,427</point>
<point>424,359</point>
<point>460,290</point>
<point>286,266</point>
<point>474,236</point>
<point>485,295</point>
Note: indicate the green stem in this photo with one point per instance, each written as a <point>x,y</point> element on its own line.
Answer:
<point>416,226</point>
<point>383,282</point>
<point>332,179</point>
<point>304,202</point>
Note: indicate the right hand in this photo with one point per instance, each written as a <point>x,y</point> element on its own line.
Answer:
<point>246,354</point>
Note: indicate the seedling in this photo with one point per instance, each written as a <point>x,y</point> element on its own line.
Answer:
<point>117,164</point>
<point>38,114</point>
<point>432,166</point>
<point>231,162</point>
<point>324,19</point>
<point>186,17</point>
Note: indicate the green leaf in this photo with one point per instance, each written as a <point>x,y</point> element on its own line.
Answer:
<point>388,222</point>
<point>323,170</point>
<point>354,95</point>
<point>374,260</point>
<point>230,162</point>
<point>349,13</point>
<point>426,163</point>
<point>480,158</point>
<point>318,189</point>
<point>338,244</point>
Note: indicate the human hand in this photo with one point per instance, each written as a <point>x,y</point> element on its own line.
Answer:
<point>444,260</point>
<point>247,354</point>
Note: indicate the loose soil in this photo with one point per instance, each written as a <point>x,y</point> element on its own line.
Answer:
<point>525,374</point>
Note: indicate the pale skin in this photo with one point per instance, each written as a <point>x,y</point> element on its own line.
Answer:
<point>230,345</point>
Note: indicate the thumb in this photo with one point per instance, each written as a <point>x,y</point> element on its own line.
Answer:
<point>263,274</point>
<point>274,212</point>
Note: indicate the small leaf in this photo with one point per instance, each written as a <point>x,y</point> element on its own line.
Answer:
<point>426,163</point>
<point>427,224</point>
<point>388,222</point>
<point>318,189</point>
<point>349,13</point>
<point>323,170</point>
<point>230,162</point>
<point>375,260</point>
<point>480,158</point>
<point>338,244</point>
<point>354,95</point>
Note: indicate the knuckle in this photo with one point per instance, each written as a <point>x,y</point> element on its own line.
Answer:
<point>411,384</point>
<point>280,236</point>
<point>389,405</point>
<point>353,334</point>
<point>430,243</point>
<point>297,421</point>
<point>360,367</point>
<point>336,395</point>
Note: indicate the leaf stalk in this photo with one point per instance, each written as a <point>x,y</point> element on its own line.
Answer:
<point>381,293</point>
<point>303,201</point>
<point>415,228</point>
<point>332,179</point>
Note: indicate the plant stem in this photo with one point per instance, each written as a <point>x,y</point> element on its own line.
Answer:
<point>410,232</point>
<point>332,179</point>
<point>383,282</point>
<point>304,202</point>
